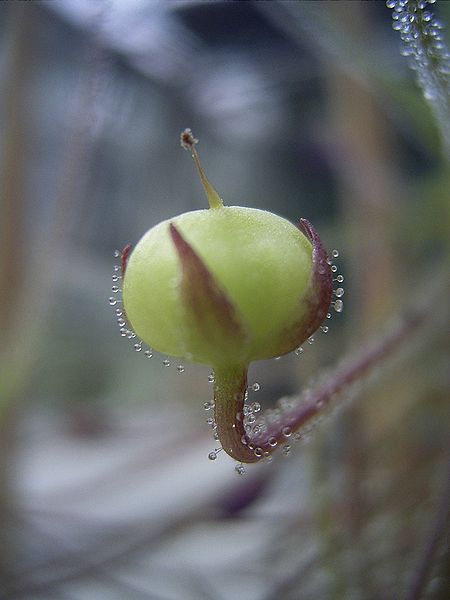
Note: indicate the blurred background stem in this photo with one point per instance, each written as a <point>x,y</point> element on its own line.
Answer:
<point>30,263</point>
<point>364,169</point>
<point>13,251</point>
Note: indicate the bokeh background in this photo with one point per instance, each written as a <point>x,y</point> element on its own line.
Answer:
<point>306,109</point>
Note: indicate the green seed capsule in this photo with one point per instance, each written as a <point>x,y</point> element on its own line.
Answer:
<point>256,271</point>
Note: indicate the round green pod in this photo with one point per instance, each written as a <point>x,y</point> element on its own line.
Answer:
<point>261,263</point>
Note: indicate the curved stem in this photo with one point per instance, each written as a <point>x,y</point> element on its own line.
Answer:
<point>230,388</point>
<point>304,409</point>
<point>230,393</point>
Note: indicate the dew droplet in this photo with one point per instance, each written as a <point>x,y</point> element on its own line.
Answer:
<point>180,368</point>
<point>116,253</point>
<point>256,387</point>
<point>118,312</point>
<point>339,292</point>
<point>115,277</point>
<point>256,407</point>
<point>240,469</point>
<point>207,406</point>
<point>212,455</point>
<point>338,306</point>
<point>121,322</point>
<point>148,353</point>
<point>324,328</point>
<point>116,268</point>
<point>115,289</point>
<point>310,340</point>
<point>286,431</point>
<point>340,279</point>
<point>123,331</point>
<point>166,362</point>
<point>272,441</point>
<point>328,315</point>
<point>112,301</point>
<point>298,351</point>
<point>211,378</point>
<point>333,268</point>
<point>138,347</point>
<point>335,253</point>
<point>210,421</point>
<point>130,334</point>
<point>286,449</point>
<point>259,452</point>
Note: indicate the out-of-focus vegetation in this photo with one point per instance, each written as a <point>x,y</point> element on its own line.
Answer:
<point>306,109</point>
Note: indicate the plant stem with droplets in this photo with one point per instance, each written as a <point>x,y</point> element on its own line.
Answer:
<point>230,386</point>
<point>424,44</point>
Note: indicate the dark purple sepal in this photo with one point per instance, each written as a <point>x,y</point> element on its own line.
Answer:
<point>215,325</point>
<point>321,291</point>
<point>315,302</point>
<point>124,256</point>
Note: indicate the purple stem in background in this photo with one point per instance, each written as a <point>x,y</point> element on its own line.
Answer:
<point>349,372</point>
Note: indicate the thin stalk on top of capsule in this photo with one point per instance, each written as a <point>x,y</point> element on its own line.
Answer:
<point>188,142</point>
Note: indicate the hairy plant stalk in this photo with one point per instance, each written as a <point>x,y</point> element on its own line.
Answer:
<point>423,42</point>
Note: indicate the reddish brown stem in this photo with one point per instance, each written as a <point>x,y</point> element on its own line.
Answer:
<point>230,395</point>
<point>342,378</point>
